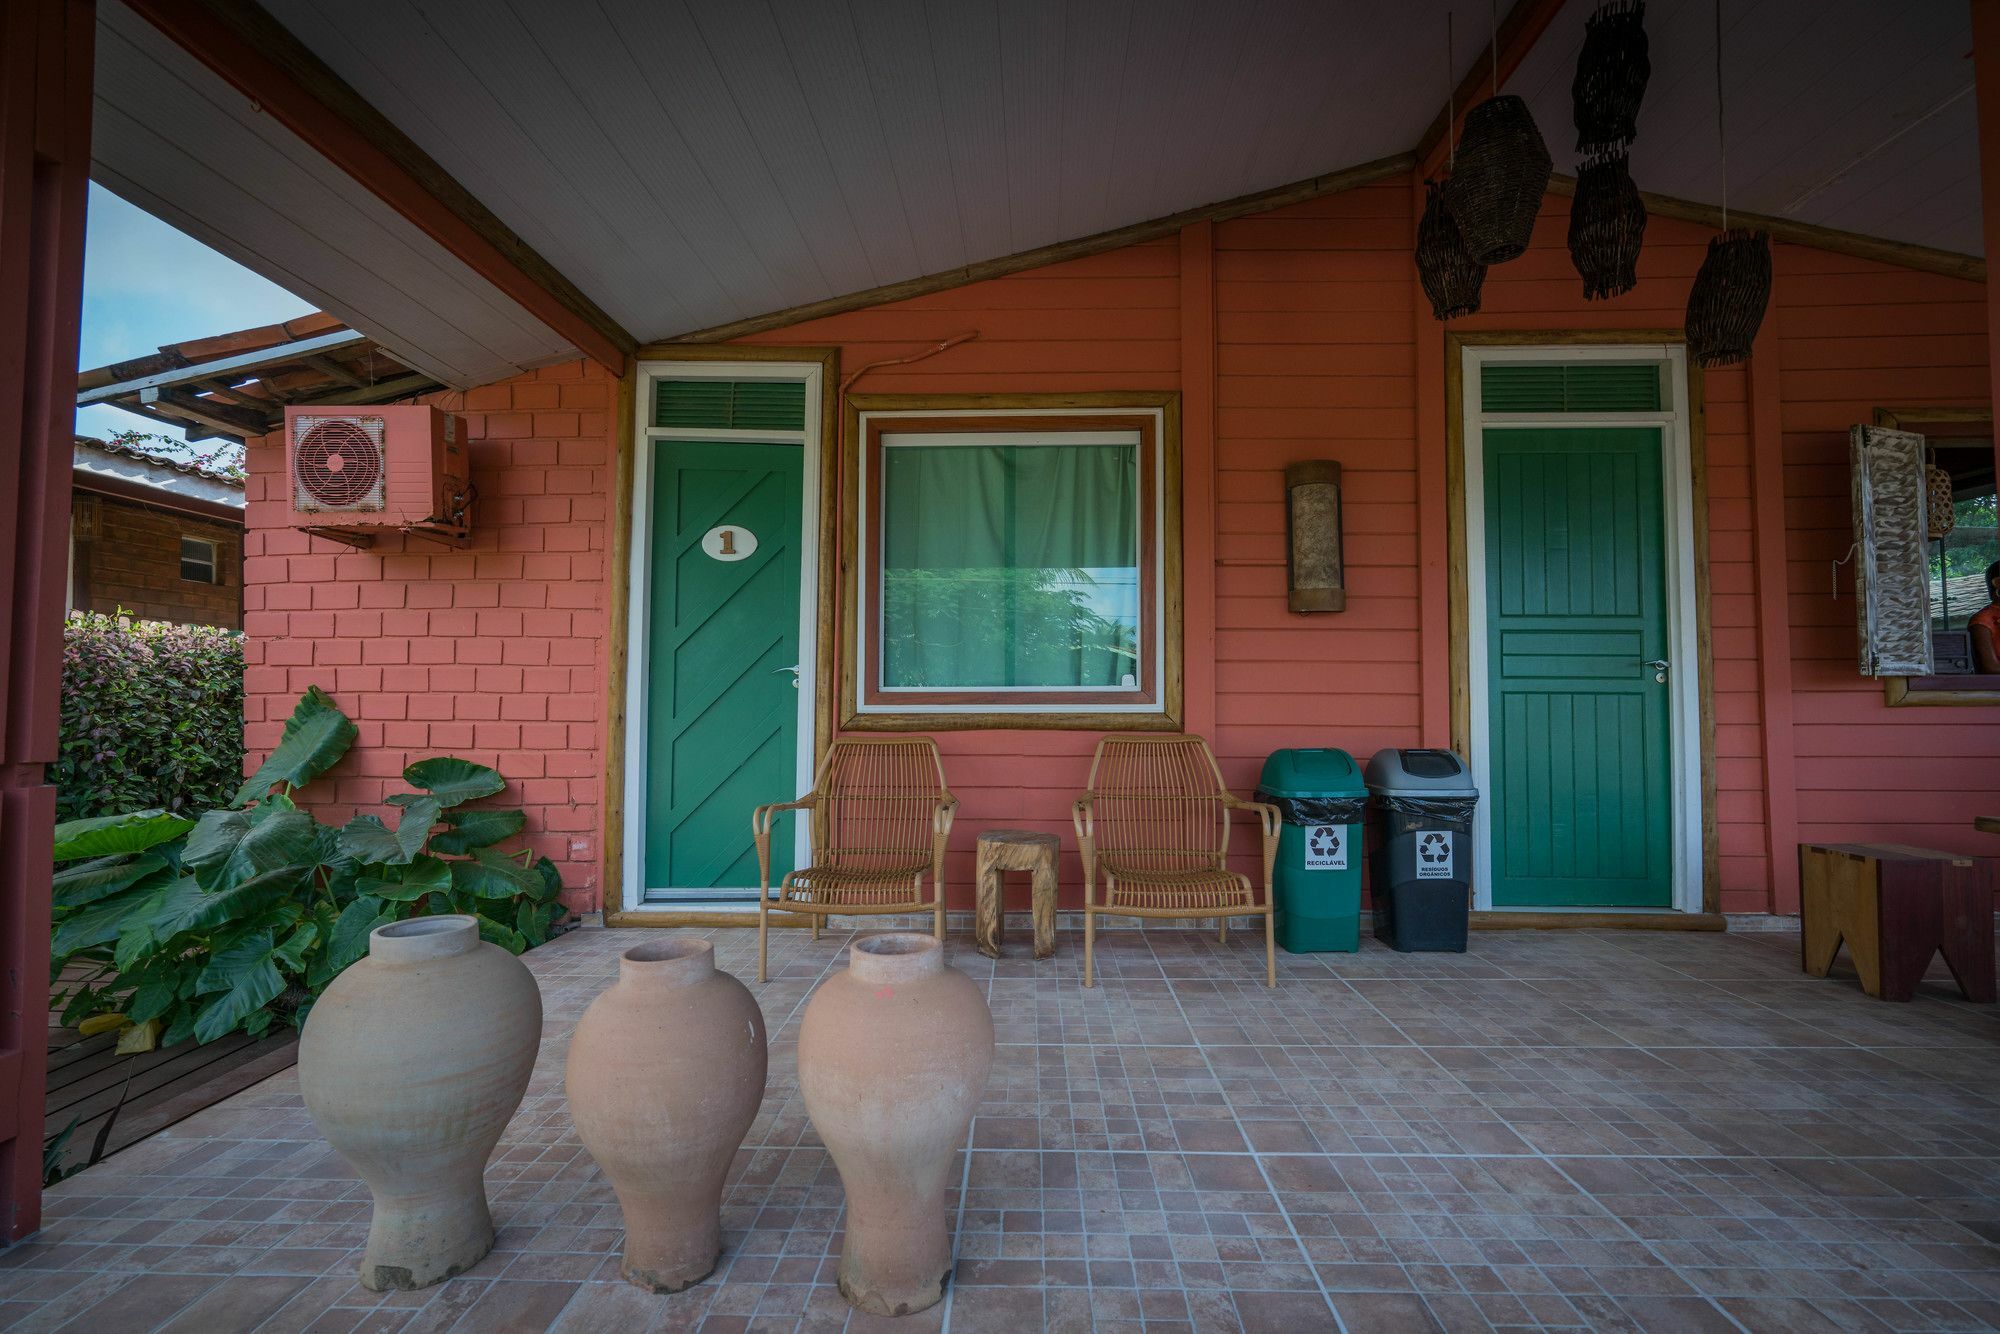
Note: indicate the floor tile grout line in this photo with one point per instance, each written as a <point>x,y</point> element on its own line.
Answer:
<point>964,1182</point>
<point>1305,1256</point>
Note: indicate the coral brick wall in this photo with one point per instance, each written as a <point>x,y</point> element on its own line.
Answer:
<point>133,565</point>
<point>494,652</point>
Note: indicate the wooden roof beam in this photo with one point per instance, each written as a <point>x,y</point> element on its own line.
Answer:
<point>1519,31</point>
<point>249,49</point>
<point>1904,254</point>
<point>238,423</point>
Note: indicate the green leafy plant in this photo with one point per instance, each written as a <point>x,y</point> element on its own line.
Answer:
<point>151,715</point>
<point>239,919</point>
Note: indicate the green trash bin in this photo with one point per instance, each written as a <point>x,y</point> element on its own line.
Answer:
<point>1320,795</point>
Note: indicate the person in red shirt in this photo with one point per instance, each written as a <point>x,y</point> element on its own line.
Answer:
<point>1985,625</point>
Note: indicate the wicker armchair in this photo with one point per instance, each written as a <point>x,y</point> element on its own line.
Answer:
<point>880,817</point>
<point>1154,826</point>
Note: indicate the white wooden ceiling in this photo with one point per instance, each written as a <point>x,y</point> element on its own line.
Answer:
<point>172,138</point>
<point>691,162</point>
<point>1853,114</point>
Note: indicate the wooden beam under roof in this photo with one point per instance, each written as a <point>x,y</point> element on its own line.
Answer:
<point>250,50</point>
<point>224,417</point>
<point>1903,254</point>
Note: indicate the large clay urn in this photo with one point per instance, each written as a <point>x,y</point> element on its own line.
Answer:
<point>893,1057</point>
<point>666,1070</point>
<point>412,1063</point>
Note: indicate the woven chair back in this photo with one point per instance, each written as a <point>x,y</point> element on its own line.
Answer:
<point>878,800</point>
<point>1158,803</point>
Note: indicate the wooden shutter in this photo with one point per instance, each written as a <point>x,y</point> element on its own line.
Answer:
<point>1892,552</point>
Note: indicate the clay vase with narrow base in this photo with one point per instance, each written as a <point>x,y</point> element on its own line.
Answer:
<point>666,1071</point>
<point>411,1063</point>
<point>893,1057</point>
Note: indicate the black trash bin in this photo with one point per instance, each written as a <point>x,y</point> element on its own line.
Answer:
<point>1420,808</point>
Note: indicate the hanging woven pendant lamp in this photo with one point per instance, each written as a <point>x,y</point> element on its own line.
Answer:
<point>1731,292</point>
<point>1940,517</point>
<point>1611,75</point>
<point>1451,277</point>
<point>1607,222</point>
<point>1503,171</point>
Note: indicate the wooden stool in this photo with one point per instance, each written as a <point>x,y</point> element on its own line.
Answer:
<point>1004,850</point>
<point>1895,907</point>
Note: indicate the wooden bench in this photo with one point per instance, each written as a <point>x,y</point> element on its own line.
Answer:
<point>1896,906</point>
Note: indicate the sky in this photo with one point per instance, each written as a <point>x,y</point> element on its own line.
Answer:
<point>146,284</point>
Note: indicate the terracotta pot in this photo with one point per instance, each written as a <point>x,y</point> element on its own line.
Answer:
<point>666,1071</point>
<point>893,1057</point>
<point>412,1063</point>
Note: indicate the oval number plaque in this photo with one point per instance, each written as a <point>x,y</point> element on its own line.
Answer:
<point>732,542</point>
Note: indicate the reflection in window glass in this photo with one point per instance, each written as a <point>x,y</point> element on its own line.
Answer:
<point>1959,558</point>
<point>1010,566</point>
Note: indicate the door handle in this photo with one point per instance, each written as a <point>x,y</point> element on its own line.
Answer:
<point>1658,667</point>
<point>793,670</point>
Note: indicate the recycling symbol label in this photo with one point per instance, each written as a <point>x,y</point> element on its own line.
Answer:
<point>1326,847</point>
<point>1433,855</point>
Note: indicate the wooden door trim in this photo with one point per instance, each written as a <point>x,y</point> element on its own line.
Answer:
<point>1641,341</point>
<point>630,428</point>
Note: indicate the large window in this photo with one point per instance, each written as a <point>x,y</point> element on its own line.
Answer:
<point>1011,566</point>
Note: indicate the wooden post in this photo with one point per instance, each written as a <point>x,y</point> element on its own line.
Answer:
<point>1986,85</point>
<point>45,99</point>
<point>1774,626</point>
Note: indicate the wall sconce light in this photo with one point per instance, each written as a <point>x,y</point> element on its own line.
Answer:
<point>1317,580</point>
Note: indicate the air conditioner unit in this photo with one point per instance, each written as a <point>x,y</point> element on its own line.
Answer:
<point>355,469</point>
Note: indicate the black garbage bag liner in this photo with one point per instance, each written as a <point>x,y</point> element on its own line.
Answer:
<point>1304,811</point>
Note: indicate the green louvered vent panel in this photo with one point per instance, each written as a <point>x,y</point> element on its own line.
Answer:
<point>1549,386</point>
<point>731,405</point>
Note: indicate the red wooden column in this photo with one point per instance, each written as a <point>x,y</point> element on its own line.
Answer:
<point>45,69</point>
<point>1986,84</point>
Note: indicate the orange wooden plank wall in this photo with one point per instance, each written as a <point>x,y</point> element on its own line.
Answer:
<point>1293,334</point>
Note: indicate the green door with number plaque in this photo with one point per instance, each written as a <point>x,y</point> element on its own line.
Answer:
<point>1580,771</point>
<point>722,638</point>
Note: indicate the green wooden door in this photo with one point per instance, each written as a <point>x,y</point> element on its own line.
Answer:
<point>722,638</point>
<point>1580,756</point>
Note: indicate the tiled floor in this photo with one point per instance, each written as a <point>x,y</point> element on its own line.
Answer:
<point>1615,1130</point>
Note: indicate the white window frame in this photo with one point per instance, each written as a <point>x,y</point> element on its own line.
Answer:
<point>634,893</point>
<point>1683,634</point>
<point>1032,699</point>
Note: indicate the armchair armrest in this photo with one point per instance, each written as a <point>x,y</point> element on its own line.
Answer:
<point>761,820</point>
<point>1268,820</point>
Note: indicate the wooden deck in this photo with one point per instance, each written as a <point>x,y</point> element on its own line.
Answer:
<point>114,1101</point>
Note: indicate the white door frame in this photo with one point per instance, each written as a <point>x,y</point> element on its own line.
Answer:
<point>1683,637</point>
<point>639,600</point>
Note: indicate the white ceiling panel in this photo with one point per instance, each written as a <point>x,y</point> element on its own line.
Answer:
<point>687,163</point>
<point>173,139</point>
<point>1852,114</point>
<point>691,162</point>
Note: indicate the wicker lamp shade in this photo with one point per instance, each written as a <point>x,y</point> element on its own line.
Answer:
<point>1611,75</point>
<point>1727,302</point>
<point>1497,184</point>
<point>1607,222</point>
<point>1451,277</point>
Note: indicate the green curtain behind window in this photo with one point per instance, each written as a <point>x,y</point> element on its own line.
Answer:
<point>1009,565</point>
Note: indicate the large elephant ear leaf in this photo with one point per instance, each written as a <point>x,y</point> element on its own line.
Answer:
<point>116,835</point>
<point>316,736</point>
<point>452,781</point>
<point>467,830</point>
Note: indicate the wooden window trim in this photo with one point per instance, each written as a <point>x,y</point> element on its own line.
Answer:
<point>869,416</point>
<point>1899,692</point>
